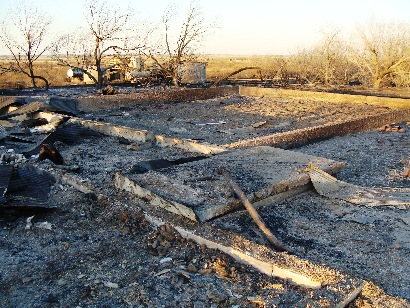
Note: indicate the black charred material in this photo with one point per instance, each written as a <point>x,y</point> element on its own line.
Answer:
<point>67,133</point>
<point>123,140</point>
<point>155,164</point>
<point>65,105</point>
<point>19,138</point>
<point>17,183</point>
<point>33,122</point>
<point>28,188</point>
<point>48,151</point>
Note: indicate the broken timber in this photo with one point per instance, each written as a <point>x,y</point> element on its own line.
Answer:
<point>328,186</point>
<point>254,214</point>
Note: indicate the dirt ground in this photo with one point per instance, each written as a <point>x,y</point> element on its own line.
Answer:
<point>227,120</point>
<point>88,251</point>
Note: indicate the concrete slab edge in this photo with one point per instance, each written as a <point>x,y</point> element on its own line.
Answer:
<point>92,103</point>
<point>116,131</point>
<point>269,268</point>
<point>124,183</point>
<point>190,146</point>
<point>303,136</point>
<point>148,137</point>
<point>399,103</point>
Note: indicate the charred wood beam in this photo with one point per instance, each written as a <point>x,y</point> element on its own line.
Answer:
<point>252,211</point>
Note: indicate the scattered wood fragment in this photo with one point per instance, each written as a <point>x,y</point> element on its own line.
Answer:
<point>124,183</point>
<point>257,300</point>
<point>350,298</point>
<point>393,127</point>
<point>328,186</point>
<point>254,214</point>
<point>406,172</point>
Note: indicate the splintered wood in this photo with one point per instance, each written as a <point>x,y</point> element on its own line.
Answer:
<point>328,186</point>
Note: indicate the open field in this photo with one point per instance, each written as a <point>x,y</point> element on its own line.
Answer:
<point>217,66</point>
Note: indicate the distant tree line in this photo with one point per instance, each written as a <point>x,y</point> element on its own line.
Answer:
<point>377,56</point>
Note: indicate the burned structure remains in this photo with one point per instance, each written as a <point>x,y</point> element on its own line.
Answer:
<point>161,151</point>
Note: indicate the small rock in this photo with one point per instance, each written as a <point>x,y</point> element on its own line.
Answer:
<point>164,260</point>
<point>110,284</point>
<point>152,251</point>
<point>192,268</point>
<point>204,271</point>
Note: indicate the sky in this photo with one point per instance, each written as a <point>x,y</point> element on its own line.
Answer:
<point>246,27</point>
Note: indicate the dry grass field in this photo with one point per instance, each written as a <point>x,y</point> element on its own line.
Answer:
<point>217,67</point>
<point>46,67</point>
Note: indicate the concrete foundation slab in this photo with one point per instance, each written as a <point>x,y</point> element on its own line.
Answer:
<point>261,172</point>
<point>389,102</point>
<point>160,96</point>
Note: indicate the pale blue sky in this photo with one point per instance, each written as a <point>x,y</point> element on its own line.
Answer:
<point>247,27</point>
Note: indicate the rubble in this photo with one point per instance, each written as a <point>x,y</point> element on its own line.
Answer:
<point>202,240</point>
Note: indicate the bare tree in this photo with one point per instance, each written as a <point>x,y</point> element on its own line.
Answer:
<point>75,52</point>
<point>107,34</point>
<point>304,65</point>
<point>27,41</point>
<point>325,62</point>
<point>8,68</point>
<point>385,49</point>
<point>330,51</point>
<point>175,50</point>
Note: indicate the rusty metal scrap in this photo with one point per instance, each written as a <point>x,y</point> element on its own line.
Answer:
<point>48,151</point>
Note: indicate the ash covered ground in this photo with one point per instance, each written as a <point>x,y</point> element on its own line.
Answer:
<point>101,252</point>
